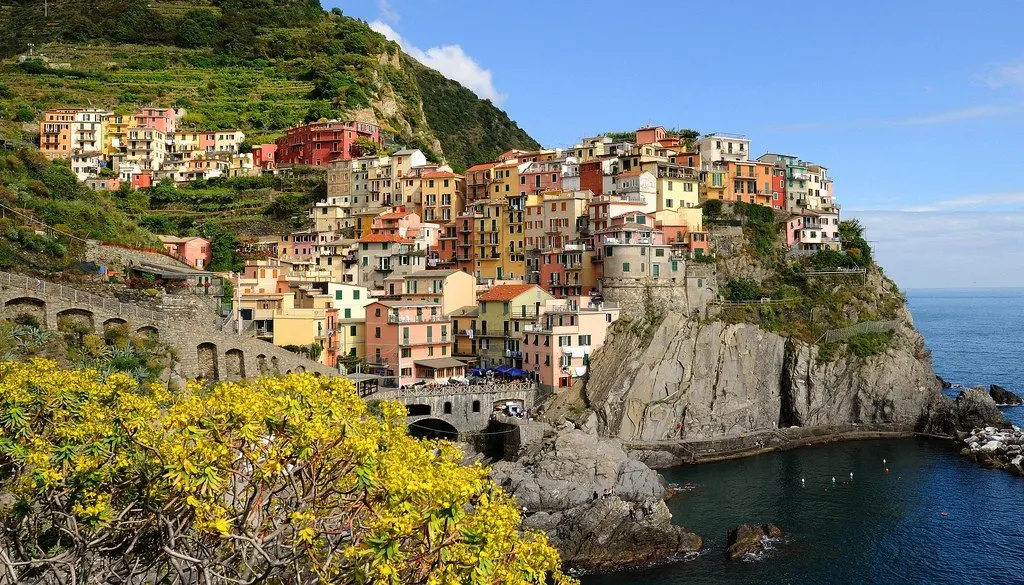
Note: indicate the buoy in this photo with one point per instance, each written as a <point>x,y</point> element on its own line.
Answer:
<point>833,479</point>
<point>851,475</point>
<point>945,514</point>
<point>887,470</point>
<point>802,482</point>
<point>883,461</point>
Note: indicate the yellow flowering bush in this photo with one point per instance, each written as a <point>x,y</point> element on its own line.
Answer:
<point>277,480</point>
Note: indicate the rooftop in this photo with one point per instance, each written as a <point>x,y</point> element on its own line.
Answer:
<point>506,292</point>
<point>384,238</point>
<point>432,273</point>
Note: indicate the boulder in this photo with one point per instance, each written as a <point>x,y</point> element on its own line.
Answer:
<point>602,509</point>
<point>748,539</point>
<point>972,408</point>
<point>1002,396</point>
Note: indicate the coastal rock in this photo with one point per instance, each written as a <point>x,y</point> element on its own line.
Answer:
<point>996,448</point>
<point>693,380</point>
<point>972,408</point>
<point>599,507</point>
<point>943,382</point>
<point>1002,396</point>
<point>747,539</point>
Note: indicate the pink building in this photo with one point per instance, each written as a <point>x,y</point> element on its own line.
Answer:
<point>411,341</point>
<point>396,223</point>
<point>194,251</point>
<point>557,348</point>
<point>264,156</point>
<point>162,119</point>
<point>541,176</point>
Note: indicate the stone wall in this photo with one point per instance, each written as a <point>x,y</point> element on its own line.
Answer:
<point>118,257</point>
<point>201,351</point>
<point>689,294</point>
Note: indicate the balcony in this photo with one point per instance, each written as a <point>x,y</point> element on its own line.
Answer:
<point>428,341</point>
<point>383,267</point>
<point>534,328</point>
<point>418,319</point>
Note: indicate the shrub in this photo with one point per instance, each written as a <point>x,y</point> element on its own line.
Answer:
<point>279,480</point>
<point>869,344</point>
<point>742,289</point>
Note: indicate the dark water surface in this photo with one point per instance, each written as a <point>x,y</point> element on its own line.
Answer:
<point>879,527</point>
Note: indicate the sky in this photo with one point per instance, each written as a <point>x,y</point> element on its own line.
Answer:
<point>916,108</point>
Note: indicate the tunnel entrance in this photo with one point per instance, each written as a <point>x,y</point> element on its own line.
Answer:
<point>432,428</point>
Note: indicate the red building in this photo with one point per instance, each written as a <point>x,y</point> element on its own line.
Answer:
<point>324,142</point>
<point>264,156</point>
<point>778,188</point>
<point>592,177</point>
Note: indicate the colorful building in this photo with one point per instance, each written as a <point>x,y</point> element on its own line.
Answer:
<point>556,348</point>
<point>411,341</point>
<point>504,311</point>
<point>321,143</point>
<point>193,250</point>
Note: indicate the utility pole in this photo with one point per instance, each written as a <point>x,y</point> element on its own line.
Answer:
<point>46,8</point>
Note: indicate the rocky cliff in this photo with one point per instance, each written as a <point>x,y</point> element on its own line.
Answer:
<point>599,507</point>
<point>706,379</point>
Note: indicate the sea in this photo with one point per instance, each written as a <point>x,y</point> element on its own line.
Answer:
<point>903,511</point>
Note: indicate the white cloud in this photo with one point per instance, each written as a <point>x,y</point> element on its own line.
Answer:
<point>947,249</point>
<point>1006,75</point>
<point>449,60</point>
<point>387,12</point>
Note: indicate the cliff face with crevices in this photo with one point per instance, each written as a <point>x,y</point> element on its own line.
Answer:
<point>703,380</point>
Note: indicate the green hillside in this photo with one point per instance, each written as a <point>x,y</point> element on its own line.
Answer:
<point>259,65</point>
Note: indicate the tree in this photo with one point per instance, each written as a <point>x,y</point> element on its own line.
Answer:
<point>712,209</point>
<point>742,289</point>
<point>223,246</point>
<point>279,480</point>
<point>363,146</point>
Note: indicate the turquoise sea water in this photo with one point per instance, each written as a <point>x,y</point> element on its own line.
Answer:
<point>878,527</point>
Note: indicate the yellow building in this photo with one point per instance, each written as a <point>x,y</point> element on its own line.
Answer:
<point>677,186</point>
<point>451,289</point>
<point>490,239</point>
<point>442,196</point>
<point>504,311</point>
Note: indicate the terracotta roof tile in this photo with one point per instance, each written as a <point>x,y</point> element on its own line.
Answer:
<point>441,175</point>
<point>394,214</point>
<point>505,292</point>
<point>481,167</point>
<point>384,238</point>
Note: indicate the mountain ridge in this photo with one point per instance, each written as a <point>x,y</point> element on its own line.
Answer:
<point>259,65</point>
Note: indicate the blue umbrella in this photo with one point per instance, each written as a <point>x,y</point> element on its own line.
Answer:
<point>502,369</point>
<point>516,373</point>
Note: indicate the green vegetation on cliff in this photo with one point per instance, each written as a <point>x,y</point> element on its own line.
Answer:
<point>258,65</point>
<point>807,295</point>
<point>36,191</point>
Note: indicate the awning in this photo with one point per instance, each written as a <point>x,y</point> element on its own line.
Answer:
<point>438,363</point>
<point>516,373</point>
<point>477,372</point>
<point>502,369</point>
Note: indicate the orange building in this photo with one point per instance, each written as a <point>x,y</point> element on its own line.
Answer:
<point>55,132</point>
<point>411,341</point>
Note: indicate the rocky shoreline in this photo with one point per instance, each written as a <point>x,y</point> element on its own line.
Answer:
<point>996,448</point>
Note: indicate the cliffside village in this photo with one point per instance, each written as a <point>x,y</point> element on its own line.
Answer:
<point>418,274</point>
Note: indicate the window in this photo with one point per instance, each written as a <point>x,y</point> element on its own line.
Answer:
<point>625,266</point>
<point>406,352</point>
<point>376,312</point>
<point>476,406</point>
<point>659,252</point>
<point>565,361</point>
<point>352,330</point>
<point>376,332</point>
<point>406,372</point>
<point>355,295</point>
<point>564,340</point>
<point>584,339</point>
<point>668,203</point>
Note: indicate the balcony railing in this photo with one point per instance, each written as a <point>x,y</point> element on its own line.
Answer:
<point>427,341</point>
<point>533,328</point>
<point>418,319</point>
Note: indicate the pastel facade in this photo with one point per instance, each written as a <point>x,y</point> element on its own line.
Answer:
<point>321,143</point>
<point>194,251</point>
<point>556,348</point>
<point>410,342</point>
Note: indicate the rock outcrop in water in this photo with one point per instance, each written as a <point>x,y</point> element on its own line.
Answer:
<point>746,539</point>
<point>1002,396</point>
<point>999,448</point>
<point>699,380</point>
<point>600,508</point>
<point>972,408</point>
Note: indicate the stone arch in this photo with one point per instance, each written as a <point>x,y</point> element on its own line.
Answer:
<point>29,307</point>
<point>433,428</point>
<point>234,362</point>
<point>261,364</point>
<point>148,330</point>
<point>206,360</point>
<point>316,374</point>
<point>76,319</point>
<point>274,368</point>
<point>300,370</point>
<point>286,372</point>
<point>114,322</point>
<point>447,407</point>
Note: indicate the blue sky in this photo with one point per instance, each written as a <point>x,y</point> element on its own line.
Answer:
<point>918,109</point>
